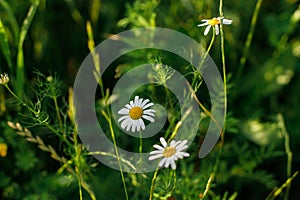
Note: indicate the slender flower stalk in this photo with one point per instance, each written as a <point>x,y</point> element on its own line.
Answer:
<point>224,68</point>
<point>249,38</point>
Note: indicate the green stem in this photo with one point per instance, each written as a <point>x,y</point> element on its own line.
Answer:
<point>224,68</point>
<point>249,38</point>
<point>141,143</point>
<point>21,101</point>
<point>288,152</point>
<point>57,112</point>
<point>79,186</point>
<point>108,118</point>
<point>153,183</point>
<point>203,60</point>
<point>174,177</point>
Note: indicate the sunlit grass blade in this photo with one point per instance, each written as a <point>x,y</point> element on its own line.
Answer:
<point>10,18</point>
<point>74,12</point>
<point>276,192</point>
<point>4,45</point>
<point>20,57</point>
<point>95,11</point>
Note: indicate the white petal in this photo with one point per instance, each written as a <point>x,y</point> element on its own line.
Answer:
<point>123,117</point>
<point>138,127</point>
<point>162,162</point>
<point>140,102</point>
<point>132,104</point>
<point>126,122</point>
<point>134,125</point>
<point>148,118</point>
<point>129,124</point>
<point>180,154</point>
<point>123,111</point>
<point>155,156</point>
<point>141,122</point>
<point>207,29</point>
<point>149,112</point>
<point>168,160</point>
<point>203,24</point>
<point>172,143</point>
<point>163,142</point>
<point>145,102</point>
<point>186,154</point>
<point>173,165</point>
<point>158,147</point>
<point>217,29</point>
<point>147,105</point>
<point>176,143</point>
<point>182,143</point>
<point>173,157</point>
<point>181,148</point>
<point>128,106</point>
<point>156,152</point>
<point>136,100</point>
<point>226,21</point>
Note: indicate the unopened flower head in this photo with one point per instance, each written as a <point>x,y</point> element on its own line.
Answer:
<point>134,113</point>
<point>169,154</point>
<point>214,22</point>
<point>4,79</point>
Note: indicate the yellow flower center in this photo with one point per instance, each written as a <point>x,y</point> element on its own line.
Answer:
<point>135,112</point>
<point>213,21</point>
<point>169,151</point>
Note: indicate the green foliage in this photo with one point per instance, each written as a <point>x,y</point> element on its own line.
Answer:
<point>42,43</point>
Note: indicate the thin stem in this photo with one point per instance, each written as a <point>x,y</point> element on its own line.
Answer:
<point>204,109</point>
<point>108,118</point>
<point>208,185</point>
<point>57,112</point>
<point>249,38</point>
<point>288,152</point>
<point>35,113</point>
<point>174,177</point>
<point>224,68</point>
<point>204,58</point>
<point>153,183</point>
<point>178,125</point>
<point>18,98</point>
<point>79,186</point>
<point>141,143</point>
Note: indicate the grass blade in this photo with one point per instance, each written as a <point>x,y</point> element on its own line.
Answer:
<point>4,45</point>
<point>20,57</point>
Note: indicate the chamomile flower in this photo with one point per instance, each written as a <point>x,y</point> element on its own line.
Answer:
<point>4,79</point>
<point>169,154</point>
<point>134,113</point>
<point>215,23</point>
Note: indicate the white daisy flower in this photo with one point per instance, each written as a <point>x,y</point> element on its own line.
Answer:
<point>215,23</point>
<point>4,79</point>
<point>169,153</point>
<point>134,112</point>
